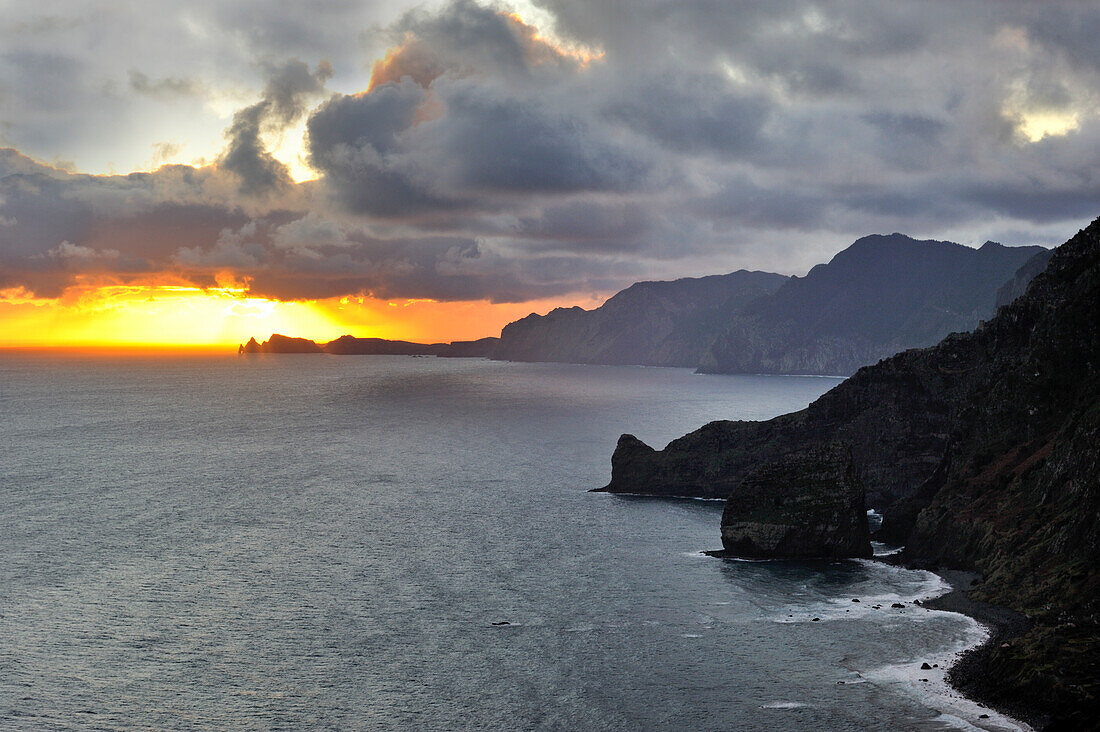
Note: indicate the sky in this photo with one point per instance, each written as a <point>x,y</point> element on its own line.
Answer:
<point>201,172</point>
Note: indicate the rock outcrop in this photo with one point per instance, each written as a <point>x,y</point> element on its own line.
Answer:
<point>984,453</point>
<point>893,417</point>
<point>805,505</point>
<point>280,344</point>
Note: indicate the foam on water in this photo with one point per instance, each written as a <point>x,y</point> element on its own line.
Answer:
<point>930,687</point>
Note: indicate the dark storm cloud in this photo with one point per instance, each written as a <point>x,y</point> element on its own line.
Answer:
<point>464,38</point>
<point>692,113</point>
<point>354,142</point>
<point>56,227</point>
<point>485,158</point>
<point>382,158</point>
<point>289,87</point>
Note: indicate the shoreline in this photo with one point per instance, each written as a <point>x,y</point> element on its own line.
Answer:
<point>1002,624</point>
<point>965,674</point>
<point>954,689</point>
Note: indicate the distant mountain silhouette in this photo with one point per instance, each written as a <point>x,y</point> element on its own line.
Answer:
<point>347,345</point>
<point>648,323</point>
<point>881,295</point>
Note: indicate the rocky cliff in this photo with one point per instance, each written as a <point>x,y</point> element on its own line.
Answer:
<point>1017,286</point>
<point>984,453</point>
<point>648,323</point>
<point>881,295</point>
<point>805,505</point>
<point>280,344</point>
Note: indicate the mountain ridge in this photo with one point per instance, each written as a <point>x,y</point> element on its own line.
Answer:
<point>880,295</point>
<point>650,323</point>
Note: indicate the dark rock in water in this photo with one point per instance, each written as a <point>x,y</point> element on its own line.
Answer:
<point>502,622</point>
<point>815,620</point>
<point>897,604</point>
<point>855,599</point>
<point>983,716</point>
<point>808,504</point>
<point>925,666</point>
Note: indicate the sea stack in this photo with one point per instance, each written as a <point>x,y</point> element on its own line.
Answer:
<point>806,505</point>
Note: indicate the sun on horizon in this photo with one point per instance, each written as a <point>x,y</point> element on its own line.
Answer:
<point>177,317</point>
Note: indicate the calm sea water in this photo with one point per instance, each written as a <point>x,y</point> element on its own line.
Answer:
<point>299,542</point>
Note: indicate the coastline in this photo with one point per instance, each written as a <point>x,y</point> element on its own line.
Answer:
<point>950,680</point>
<point>967,675</point>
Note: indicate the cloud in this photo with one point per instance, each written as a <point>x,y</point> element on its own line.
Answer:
<point>289,87</point>
<point>172,86</point>
<point>482,157</point>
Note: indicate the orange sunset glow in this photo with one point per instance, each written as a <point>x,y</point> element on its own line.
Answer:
<point>190,317</point>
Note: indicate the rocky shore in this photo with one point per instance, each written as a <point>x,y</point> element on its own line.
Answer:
<point>969,675</point>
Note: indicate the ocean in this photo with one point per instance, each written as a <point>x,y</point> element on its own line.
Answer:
<point>317,542</point>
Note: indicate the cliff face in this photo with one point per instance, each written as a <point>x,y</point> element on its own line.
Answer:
<point>804,505</point>
<point>1017,286</point>
<point>895,417</point>
<point>881,295</point>
<point>985,454</point>
<point>649,323</point>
